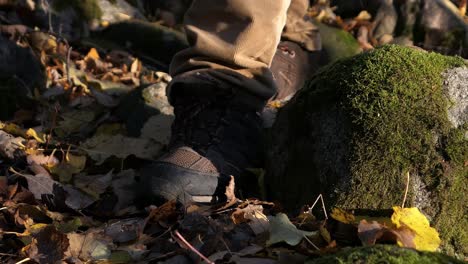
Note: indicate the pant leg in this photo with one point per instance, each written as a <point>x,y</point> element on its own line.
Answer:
<point>232,44</point>
<point>299,28</point>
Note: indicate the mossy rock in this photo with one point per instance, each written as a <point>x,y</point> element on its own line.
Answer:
<point>361,124</point>
<point>337,43</point>
<point>385,254</point>
<point>152,40</point>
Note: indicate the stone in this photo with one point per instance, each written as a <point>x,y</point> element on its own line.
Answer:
<point>148,40</point>
<point>336,44</point>
<point>445,29</point>
<point>456,88</point>
<point>385,21</point>
<point>361,124</point>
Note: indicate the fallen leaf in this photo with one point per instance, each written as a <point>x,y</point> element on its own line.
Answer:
<point>124,187</point>
<point>426,237</point>
<point>101,147</point>
<point>125,231</point>
<point>372,233</point>
<point>164,213</point>
<point>31,133</point>
<point>73,122</point>
<point>41,159</point>
<point>282,230</point>
<point>93,185</point>
<point>48,245</point>
<point>90,246</point>
<point>46,189</point>
<point>10,146</point>
<point>254,216</point>
<point>93,54</point>
<point>342,216</point>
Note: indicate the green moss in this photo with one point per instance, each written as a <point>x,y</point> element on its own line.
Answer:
<point>393,99</point>
<point>385,254</point>
<point>337,43</point>
<point>87,9</point>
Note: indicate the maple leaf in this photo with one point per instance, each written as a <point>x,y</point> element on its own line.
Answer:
<point>426,237</point>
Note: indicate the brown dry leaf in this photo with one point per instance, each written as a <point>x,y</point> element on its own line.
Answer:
<point>252,215</point>
<point>372,233</point>
<point>94,185</point>
<point>369,233</point>
<point>90,246</point>
<point>164,214</point>
<point>41,159</point>
<point>48,245</point>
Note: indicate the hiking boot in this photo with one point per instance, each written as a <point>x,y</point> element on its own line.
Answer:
<point>291,67</point>
<point>212,139</point>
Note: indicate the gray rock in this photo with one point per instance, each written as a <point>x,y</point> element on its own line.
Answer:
<point>445,29</point>
<point>456,87</point>
<point>336,44</point>
<point>385,20</point>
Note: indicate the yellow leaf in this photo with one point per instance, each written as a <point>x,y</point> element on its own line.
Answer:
<point>32,133</point>
<point>342,216</point>
<point>426,237</point>
<point>93,54</point>
<point>13,129</point>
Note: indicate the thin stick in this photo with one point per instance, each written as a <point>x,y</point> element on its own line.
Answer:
<point>68,65</point>
<point>187,244</point>
<point>320,197</point>
<point>23,261</point>
<point>406,189</point>
<point>310,242</point>
<point>3,208</point>
<point>316,200</point>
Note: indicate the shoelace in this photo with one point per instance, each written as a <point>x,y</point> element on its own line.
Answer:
<point>287,51</point>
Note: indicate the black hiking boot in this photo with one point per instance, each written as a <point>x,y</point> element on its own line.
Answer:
<point>212,139</point>
<point>291,67</point>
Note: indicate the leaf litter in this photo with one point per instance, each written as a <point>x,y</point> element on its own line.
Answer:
<point>68,178</point>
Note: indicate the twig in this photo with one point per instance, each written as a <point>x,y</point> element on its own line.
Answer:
<point>23,261</point>
<point>310,242</point>
<point>320,197</point>
<point>9,255</point>
<point>3,208</point>
<point>406,189</point>
<point>68,65</point>
<point>187,244</point>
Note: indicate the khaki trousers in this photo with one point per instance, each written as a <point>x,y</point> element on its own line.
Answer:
<point>232,44</point>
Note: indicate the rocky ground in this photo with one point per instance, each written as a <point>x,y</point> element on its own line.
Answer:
<point>372,151</point>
